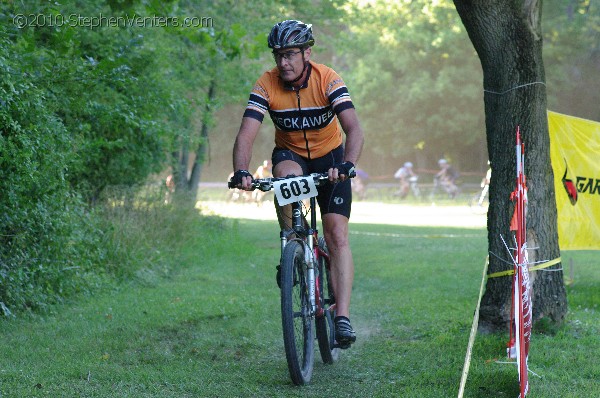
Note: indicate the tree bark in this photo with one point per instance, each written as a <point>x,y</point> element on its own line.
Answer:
<point>182,172</point>
<point>507,38</point>
<point>201,150</point>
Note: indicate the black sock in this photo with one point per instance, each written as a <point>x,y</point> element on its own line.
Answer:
<point>337,318</point>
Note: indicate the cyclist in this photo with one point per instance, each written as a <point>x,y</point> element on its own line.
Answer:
<point>305,100</point>
<point>263,171</point>
<point>485,185</point>
<point>408,179</point>
<point>360,183</point>
<point>446,178</point>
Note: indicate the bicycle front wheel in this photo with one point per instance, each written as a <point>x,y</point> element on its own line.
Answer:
<point>296,319</point>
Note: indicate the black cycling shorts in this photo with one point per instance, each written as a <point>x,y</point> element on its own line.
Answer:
<point>334,197</point>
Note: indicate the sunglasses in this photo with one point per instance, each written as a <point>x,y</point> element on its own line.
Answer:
<point>288,56</point>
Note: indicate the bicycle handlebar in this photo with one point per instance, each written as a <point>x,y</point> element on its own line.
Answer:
<point>266,184</point>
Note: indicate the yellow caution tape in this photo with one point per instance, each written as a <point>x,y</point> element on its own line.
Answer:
<point>534,268</point>
<point>467,365</point>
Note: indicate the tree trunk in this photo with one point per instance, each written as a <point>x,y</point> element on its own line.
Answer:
<point>507,38</point>
<point>182,173</point>
<point>201,150</point>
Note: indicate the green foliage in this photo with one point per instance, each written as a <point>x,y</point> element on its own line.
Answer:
<point>47,241</point>
<point>81,109</point>
<point>412,72</point>
<point>571,56</point>
<point>211,58</point>
<point>99,83</point>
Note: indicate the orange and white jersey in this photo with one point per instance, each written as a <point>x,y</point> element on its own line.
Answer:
<point>310,109</point>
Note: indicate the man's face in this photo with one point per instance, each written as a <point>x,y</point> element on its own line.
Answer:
<point>290,62</point>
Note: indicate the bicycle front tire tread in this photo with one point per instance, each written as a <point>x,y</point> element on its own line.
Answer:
<point>296,321</point>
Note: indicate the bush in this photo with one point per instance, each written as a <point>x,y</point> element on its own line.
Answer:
<point>47,241</point>
<point>73,120</point>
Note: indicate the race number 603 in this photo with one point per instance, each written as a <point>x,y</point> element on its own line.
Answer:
<point>294,189</point>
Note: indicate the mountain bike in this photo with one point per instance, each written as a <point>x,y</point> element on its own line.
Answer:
<point>307,296</point>
<point>414,186</point>
<point>447,188</point>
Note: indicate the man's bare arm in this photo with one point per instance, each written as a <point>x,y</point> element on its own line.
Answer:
<point>354,141</point>
<point>354,135</point>
<point>242,149</point>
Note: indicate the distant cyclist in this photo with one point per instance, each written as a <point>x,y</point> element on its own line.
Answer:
<point>360,183</point>
<point>446,178</point>
<point>485,185</point>
<point>305,101</point>
<point>408,180</point>
<point>263,171</point>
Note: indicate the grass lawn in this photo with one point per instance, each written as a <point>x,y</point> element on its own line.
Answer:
<point>213,328</point>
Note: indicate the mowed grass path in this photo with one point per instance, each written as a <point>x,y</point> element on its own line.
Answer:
<point>213,329</point>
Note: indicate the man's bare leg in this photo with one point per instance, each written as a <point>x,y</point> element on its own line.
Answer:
<point>335,228</point>
<point>283,169</point>
<point>342,265</point>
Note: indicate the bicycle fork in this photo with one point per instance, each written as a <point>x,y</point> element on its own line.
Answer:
<point>309,258</point>
<point>309,254</point>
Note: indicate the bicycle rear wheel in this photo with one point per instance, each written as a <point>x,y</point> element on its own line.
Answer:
<point>295,314</point>
<point>324,324</point>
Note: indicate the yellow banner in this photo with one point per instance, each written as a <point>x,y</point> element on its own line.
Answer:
<point>575,155</point>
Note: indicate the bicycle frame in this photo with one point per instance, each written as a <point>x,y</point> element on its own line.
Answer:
<point>310,238</point>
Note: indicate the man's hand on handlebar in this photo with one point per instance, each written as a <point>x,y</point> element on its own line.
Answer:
<point>241,179</point>
<point>342,171</point>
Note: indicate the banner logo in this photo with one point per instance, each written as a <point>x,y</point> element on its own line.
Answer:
<point>569,186</point>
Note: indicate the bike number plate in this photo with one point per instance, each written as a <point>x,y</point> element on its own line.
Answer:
<point>294,189</point>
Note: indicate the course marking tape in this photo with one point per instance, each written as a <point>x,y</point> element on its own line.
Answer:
<point>467,364</point>
<point>534,268</point>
